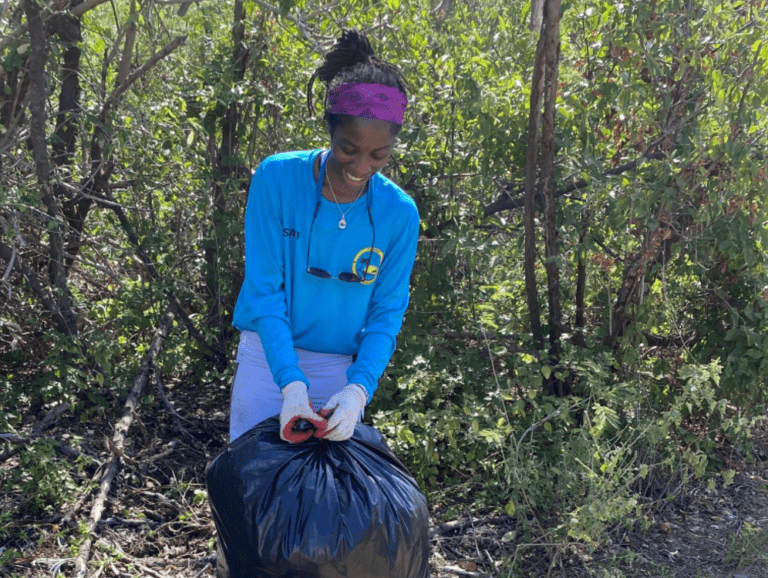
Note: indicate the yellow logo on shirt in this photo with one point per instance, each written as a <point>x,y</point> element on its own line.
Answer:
<point>361,260</point>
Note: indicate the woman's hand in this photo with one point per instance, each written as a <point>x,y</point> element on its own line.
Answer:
<point>296,407</point>
<point>346,407</point>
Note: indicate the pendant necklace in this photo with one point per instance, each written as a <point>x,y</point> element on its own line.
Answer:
<point>343,220</point>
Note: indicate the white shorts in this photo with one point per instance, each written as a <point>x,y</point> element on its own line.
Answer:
<point>256,396</point>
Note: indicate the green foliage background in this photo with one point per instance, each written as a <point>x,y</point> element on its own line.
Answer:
<point>464,401</point>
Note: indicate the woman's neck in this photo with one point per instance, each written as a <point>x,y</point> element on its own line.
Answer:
<point>338,188</point>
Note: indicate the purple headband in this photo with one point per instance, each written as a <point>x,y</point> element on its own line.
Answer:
<point>368,100</point>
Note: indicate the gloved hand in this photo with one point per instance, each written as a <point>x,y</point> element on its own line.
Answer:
<point>296,407</point>
<point>346,406</point>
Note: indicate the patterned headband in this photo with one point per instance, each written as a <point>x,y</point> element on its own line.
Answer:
<point>368,100</point>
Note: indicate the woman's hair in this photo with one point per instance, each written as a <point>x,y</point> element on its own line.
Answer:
<point>352,60</point>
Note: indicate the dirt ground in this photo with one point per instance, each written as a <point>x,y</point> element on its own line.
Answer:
<point>157,522</point>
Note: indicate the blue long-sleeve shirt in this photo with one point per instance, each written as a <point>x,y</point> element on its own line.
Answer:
<point>287,306</point>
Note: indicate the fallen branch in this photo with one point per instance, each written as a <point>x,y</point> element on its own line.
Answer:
<point>117,451</point>
<point>118,441</point>
<point>461,572</point>
<point>130,523</point>
<point>54,564</point>
<point>163,454</point>
<point>164,500</point>
<point>148,570</point>
<point>125,557</point>
<point>49,419</point>
<point>63,449</point>
<point>69,516</point>
<point>443,529</point>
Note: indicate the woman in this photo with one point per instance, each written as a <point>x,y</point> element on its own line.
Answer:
<point>329,247</point>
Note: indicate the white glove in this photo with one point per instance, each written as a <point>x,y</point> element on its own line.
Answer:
<point>346,407</point>
<point>296,407</point>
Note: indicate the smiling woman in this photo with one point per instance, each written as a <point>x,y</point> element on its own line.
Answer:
<point>330,244</point>
<point>360,148</point>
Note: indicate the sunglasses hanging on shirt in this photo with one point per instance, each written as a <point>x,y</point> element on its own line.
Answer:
<point>345,276</point>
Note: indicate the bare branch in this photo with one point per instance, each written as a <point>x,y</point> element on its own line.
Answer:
<point>130,40</point>
<point>301,23</point>
<point>508,202</point>
<point>76,11</point>
<point>139,72</point>
<point>40,289</point>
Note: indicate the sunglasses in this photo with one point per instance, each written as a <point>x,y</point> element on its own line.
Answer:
<point>344,275</point>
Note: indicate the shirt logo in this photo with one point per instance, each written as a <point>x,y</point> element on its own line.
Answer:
<point>360,262</point>
<point>291,233</point>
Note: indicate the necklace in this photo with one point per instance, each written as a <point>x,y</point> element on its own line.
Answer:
<point>343,220</point>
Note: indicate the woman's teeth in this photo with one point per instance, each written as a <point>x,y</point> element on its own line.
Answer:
<point>353,179</point>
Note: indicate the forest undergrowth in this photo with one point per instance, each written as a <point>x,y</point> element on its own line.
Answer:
<point>157,521</point>
<point>579,386</point>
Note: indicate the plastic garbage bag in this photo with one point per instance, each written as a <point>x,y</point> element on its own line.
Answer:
<point>316,509</point>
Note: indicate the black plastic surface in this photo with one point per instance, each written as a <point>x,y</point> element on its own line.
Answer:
<point>316,509</point>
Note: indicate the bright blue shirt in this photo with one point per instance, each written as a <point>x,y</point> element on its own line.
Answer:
<point>290,308</point>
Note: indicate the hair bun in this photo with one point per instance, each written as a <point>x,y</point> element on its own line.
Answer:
<point>352,59</point>
<point>354,45</point>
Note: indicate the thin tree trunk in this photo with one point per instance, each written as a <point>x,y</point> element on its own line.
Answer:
<point>531,174</point>
<point>227,169</point>
<point>64,141</point>
<point>551,35</point>
<point>65,136</point>
<point>130,40</point>
<point>65,319</point>
<point>581,281</point>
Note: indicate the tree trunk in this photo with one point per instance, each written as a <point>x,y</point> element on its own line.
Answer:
<point>65,136</point>
<point>581,282</point>
<point>531,174</point>
<point>539,177</point>
<point>227,173</point>
<point>68,29</point>
<point>65,318</point>
<point>551,35</point>
<point>547,174</point>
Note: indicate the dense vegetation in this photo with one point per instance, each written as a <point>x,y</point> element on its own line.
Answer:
<point>560,363</point>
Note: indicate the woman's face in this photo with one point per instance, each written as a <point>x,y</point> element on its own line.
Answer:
<point>359,149</point>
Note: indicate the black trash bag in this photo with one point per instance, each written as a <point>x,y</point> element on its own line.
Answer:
<point>316,509</point>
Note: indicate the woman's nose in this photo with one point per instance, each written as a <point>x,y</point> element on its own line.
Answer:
<point>361,166</point>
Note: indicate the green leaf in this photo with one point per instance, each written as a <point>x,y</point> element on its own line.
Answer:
<point>406,435</point>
